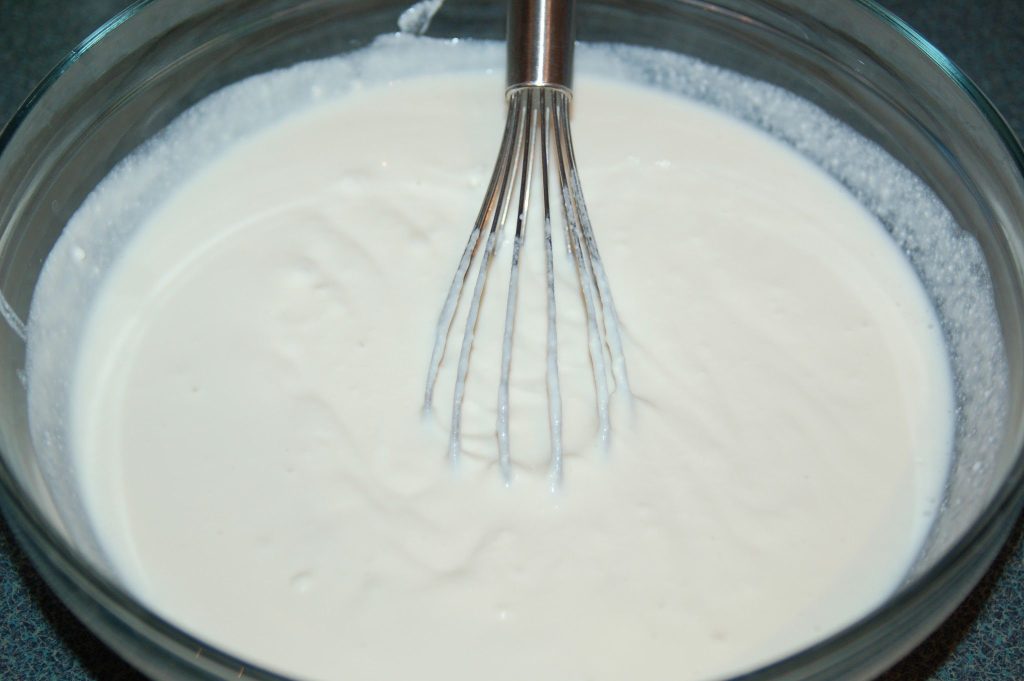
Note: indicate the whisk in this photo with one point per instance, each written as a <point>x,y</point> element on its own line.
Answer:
<point>540,42</point>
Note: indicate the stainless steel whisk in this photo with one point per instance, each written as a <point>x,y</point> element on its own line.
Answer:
<point>540,39</point>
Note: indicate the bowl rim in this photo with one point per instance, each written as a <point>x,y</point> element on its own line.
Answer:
<point>46,546</point>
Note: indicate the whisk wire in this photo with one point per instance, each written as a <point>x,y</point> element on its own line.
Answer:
<point>551,375</point>
<point>572,199</point>
<point>497,212</point>
<point>451,302</point>
<point>527,100</point>
<point>610,316</point>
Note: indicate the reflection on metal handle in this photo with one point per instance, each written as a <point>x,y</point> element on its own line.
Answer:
<point>540,41</point>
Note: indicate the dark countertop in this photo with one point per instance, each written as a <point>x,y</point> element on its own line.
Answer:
<point>982,641</point>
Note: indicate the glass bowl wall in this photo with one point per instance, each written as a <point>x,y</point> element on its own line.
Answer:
<point>158,58</point>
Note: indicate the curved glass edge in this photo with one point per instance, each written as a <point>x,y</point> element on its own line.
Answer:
<point>961,565</point>
<point>49,551</point>
<point>970,556</point>
<point>74,580</point>
<point>67,62</point>
<point>954,72</point>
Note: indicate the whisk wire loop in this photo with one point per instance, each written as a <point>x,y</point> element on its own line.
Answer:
<point>536,133</point>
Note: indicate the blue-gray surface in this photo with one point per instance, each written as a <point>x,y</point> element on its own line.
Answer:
<point>982,641</point>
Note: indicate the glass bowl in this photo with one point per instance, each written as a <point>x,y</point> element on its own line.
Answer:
<point>850,58</point>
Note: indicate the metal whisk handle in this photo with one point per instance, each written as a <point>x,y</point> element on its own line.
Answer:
<point>541,36</point>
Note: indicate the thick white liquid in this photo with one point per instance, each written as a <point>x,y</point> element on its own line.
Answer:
<point>245,411</point>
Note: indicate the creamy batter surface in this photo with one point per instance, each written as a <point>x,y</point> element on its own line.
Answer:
<point>246,420</point>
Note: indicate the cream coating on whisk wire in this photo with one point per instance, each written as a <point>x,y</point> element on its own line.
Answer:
<point>539,73</point>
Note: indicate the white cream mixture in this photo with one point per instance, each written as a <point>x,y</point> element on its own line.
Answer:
<point>245,414</point>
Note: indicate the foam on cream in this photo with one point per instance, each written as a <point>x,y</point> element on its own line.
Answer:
<point>257,317</point>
